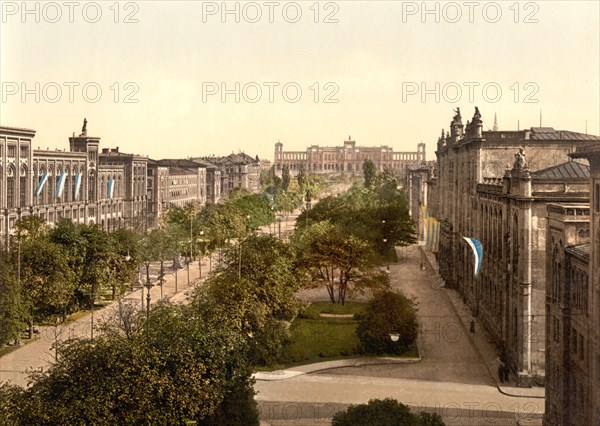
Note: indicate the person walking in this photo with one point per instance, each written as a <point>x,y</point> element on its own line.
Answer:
<point>472,326</point>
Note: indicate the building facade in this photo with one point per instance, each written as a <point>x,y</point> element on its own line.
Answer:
<point>348,158</point>
<point>573,306</point>
<point>495,186</point>
<point>107,187</point>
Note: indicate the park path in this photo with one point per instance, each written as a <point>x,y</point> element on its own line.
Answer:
<point>38,355</point>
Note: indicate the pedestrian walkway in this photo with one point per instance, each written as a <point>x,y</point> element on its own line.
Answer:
<point>480,338</point>
<point>39,354</point>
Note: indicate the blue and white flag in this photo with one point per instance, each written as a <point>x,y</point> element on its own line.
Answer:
<point>60,185</point>
<point>111,188</point>
<point>77,186</point>
<point>38,191</point>
<point>477,252</point>
<point>432,234</point>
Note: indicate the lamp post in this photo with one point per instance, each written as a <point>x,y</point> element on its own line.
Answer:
<point>148,286</point>
<point>175,272</point>
<point>200,255</point>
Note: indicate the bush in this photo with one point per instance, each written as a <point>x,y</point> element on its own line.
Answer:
<point>386,412</point>
<point>388,313</point>
<point>267,344</point>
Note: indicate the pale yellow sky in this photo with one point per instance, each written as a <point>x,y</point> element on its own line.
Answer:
<point>391,71</point>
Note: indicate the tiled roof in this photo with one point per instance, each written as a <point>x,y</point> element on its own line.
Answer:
<point>582,251</point>
<point>548,133</point>
<point>568,170</point>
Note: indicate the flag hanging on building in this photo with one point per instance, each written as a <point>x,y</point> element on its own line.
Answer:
<point>425,212</point>
<point>60,185</point>
<point>77,186</point>
<point>38,191</point>
<point>432,234</point>
<point>477,252</point>
<point>111,188</point>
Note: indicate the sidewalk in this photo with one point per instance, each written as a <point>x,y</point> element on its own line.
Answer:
<point>39,355</point>
<point>480,340</point>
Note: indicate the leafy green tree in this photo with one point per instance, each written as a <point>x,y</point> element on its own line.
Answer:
<point>48,283</point>
<point>253,292</point>
<point>370,173</point>
<point>128,259</point>
<point>13,312</point>
<point>389,313</point>
<point>253,207</point>
<point>100,263</point>
<point>386,412</point>
<point>285,177</point>
<point>302,179</point>
<point>341,263</point>
<point>175,370</point>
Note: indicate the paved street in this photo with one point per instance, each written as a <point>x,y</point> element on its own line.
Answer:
<point>454,377</point>
<point>39,355</point>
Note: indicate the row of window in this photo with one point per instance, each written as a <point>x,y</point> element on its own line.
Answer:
<point>11,151</point>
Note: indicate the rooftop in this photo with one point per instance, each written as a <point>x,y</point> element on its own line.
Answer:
<point>568,170</point>
<point>548,133</point>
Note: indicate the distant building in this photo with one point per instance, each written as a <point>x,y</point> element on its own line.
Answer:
<point>348,158</point>
<point>238,171</point>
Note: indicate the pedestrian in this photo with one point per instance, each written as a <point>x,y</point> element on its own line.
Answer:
<point>501,373</point>
<point>506,371</point>
<point>472,326</point>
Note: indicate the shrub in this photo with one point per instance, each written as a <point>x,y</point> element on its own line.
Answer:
<point>388,313</point>
<point>386,412</point>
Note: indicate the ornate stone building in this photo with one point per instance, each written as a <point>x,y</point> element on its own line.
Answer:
<point>348,158</point>
<point>495,186</point>
<point>573,306</point>
<point>109,188</point>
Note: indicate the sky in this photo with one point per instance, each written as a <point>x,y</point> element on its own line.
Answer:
<point>173,79</point>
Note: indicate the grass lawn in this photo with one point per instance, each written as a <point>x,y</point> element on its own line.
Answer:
<point>317,339</point>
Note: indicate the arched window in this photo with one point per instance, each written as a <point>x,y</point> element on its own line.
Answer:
<point>92,186</point>
<point>23,186</point>
<point>10,187</point>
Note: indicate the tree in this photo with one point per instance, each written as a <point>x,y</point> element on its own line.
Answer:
<point>370,173</point>
<point>13,313</point>
<point>100,272</point>
<point>389,313</point>
<point>174,370</point>
<point>302,179</point>
<point>335,260</point>
<point>48,283</point>
<point>253,292</point>
<point>386,412</point>
<point>285,177</point>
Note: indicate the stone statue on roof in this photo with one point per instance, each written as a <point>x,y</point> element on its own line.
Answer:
<point>520,162</point>
<point>84,128</point>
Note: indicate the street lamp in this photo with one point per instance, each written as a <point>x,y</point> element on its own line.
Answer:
<point>201,254</point>
<point>148,286</point>
<point>388,263</point>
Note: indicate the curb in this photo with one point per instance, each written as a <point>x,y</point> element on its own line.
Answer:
<point>329,365</point>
